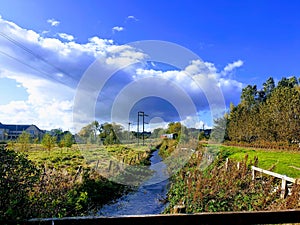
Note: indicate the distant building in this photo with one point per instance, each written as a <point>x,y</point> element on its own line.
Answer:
<point>169,136</point>
<point>13,131</point>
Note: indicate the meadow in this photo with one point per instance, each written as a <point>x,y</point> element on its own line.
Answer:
<point>86,156</point>
<point>280,161</point>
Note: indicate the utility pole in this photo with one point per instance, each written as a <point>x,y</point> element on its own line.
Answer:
<point>129,132</point>
<point>140,113</point>
<point>138,124</point>
<point>144,128</point>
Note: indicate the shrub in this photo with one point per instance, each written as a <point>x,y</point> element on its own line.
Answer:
<point>17,178</point>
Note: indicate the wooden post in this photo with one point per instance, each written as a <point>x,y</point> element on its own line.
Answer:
<point>77,173</point>
<point>226,164</point>
<point>97,164</point>
<point>283,187</point>
<point>179,209</point>
<point>253,174</point>
<point>238,165</point>
<point>109,167</point>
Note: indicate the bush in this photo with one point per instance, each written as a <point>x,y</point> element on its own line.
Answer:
<point>17,178</point>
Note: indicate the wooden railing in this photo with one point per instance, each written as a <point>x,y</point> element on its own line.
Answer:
<point>283,178</point>
<point>259,217</point>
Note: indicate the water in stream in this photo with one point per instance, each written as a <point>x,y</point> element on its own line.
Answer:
<point>148,197</point>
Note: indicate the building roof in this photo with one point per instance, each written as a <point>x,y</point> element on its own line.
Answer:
<point>16,127</point>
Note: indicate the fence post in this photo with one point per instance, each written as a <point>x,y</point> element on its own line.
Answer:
<point>253,174</point>
<point>226,164</point>
<point>283,187</point>
<point>110,164</point>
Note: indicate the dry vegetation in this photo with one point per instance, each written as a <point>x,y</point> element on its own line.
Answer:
<point>221,187</point>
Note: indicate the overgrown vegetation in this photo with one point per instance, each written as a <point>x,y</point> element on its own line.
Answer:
<point>18,175</point>
<point>225,187</point>
<point>59,183</point>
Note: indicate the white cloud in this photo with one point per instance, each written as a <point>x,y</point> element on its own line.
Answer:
<point>117,28</point>
<point>231,66</point>
<point>194,122</point>
<point>49,104</point>
<point>132,18</point>
<point>53,22</point>
<point>50,69</point>
<point>65,36</point>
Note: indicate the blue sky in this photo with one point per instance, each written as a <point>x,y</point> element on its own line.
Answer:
<point>47,46</point>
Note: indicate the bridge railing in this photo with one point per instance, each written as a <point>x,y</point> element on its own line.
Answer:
<point>255,217</point>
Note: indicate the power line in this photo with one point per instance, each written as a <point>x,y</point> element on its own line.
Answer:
<point>30,66</point>
<point>15,42</point>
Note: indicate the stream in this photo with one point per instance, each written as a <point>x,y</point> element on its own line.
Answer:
<point>148,198</point>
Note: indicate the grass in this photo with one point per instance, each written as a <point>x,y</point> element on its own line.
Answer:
<point>285,162</point>
<point>86,155</point>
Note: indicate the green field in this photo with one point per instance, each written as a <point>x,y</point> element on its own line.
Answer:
<point>285,162</point>
<point>86,156</point>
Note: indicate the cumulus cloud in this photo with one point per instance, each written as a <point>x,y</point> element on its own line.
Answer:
<point>50,70</point>
<point>231,66</point>
<point>65,36</point>
<point>48,105</point>
<point>118,28</point>
<point>53,22</point>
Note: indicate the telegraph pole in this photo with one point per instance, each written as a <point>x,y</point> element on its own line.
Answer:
<point>129,132</point>
<point>142,114</point>
<point>138,124</point>
<point>144,128</point>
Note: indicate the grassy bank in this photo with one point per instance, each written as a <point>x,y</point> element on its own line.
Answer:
<point>214,188</point>
<point>279,161</point>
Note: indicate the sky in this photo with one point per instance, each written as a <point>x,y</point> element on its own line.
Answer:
<point>66,63</point>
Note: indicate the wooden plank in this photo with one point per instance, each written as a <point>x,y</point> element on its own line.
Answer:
<point>258,217</point>
<point>280,176</point>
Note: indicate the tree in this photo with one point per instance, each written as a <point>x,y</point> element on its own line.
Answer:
<point>248,95</point>
<point>276,119</point>
<point>288,82</point>
<point>268,86</point>
<point>174,128</point>
<point>66,140</point>
<point>157,132</point>
<point>219,131</point>
<point>24,141</point>
<point>48,142</point>
<point>90,132</point>
<point>108,133</point>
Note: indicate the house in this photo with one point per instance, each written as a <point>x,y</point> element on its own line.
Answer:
<point>169,136</point>
<point>13,131</point>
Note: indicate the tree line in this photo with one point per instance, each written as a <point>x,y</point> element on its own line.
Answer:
<point>48,141</point>
<point>269,114</point>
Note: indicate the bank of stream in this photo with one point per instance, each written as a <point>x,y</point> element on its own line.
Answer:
<point>148,198</point>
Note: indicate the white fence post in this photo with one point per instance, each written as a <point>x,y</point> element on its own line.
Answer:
<point>283,187</point>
